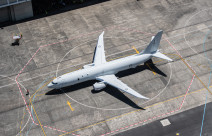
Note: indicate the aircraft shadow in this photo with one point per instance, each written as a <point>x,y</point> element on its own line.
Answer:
<point>119,95</point>
<point>71,88</point>
<point>154,68</point>
<point>110,90</point>
<point>148,65</point>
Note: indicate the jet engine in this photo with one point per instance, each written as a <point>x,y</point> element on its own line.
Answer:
<point>98,86</point>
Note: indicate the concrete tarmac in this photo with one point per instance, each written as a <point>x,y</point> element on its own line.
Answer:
<point>61,43</point>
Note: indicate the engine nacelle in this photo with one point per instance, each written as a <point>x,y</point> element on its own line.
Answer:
<point>98,86</point>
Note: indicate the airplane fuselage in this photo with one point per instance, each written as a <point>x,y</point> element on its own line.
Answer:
<point>91,72</point>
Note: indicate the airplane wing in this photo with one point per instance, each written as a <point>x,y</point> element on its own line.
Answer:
<point>99,56</point>
<point>113,81</point>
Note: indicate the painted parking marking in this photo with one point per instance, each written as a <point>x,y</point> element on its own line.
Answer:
<point>165,122</point>
<point>189,67</point>
<point>135,49</point>
<point>22,70</point>
<point>151,69</point>
<point>69,104</point>
<point>22,120</point>
<point>37,119</point>
<point>132,111</point>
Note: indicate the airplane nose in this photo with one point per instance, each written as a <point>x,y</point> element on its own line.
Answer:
<point>50,85</point>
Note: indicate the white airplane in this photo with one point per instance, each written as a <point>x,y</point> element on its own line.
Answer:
<point>104,71</point>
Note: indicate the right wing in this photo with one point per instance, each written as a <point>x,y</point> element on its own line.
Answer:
<point>113,81</point>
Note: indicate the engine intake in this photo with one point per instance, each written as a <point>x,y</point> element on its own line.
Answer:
<point>98,86</point>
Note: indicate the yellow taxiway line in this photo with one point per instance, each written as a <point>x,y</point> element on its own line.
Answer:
<point>69,104</point>
<point>22,121</point>
<point>151,69</point>
<point>138,109</point>
<point>133,111</point>
<point>135,49</point>
<point>194,73</point>
<point>37,118</point>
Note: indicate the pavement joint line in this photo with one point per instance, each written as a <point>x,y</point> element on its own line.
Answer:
<point>152,118</point>
<point>20,87</point>
<point>25,101</point>
<point>38,118</point>
<point>42,94</point>
<point>74,65</point>
<point>131,30</point>
<point>22,120</point>
<point>60,42</point>
<point>30,61</point>
<point>204,111</point>
<point>137,111</point>
<point>128,55</point>
<point>189,67</point>
<point>36,113</point>
<point>151,69</point>
<point>184,63</point>
<point>187,92</point>
<point>41,88</point>
<point>34,109</point>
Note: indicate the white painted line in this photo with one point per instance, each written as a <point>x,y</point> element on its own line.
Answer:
<point>106,56</point>
<point>165,122</point>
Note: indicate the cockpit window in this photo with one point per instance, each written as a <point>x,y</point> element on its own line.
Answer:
<point>54,83</point>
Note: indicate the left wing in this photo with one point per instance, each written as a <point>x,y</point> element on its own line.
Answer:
<point>113,81</point>
<point>99,56</point>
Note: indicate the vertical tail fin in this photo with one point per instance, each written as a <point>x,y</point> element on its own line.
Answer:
<point>152,48</point>
<point>155,42</point>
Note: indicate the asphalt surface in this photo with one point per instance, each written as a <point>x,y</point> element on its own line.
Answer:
<point>187,123</point>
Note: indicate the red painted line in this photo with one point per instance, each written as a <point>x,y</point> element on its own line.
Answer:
<point>31,60</point>
<point>178,53</point>
<point>136,124</point>
<point>20,88</point>
<point>158,115</point>
<point>186,93</point>
<point>182,100</point>
<point>108,28</point>
<point>72,39</point>
<point>51,128</point>
<point>25,102</point>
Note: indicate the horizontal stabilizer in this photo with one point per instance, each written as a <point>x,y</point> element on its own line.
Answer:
<point>162,56</point>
